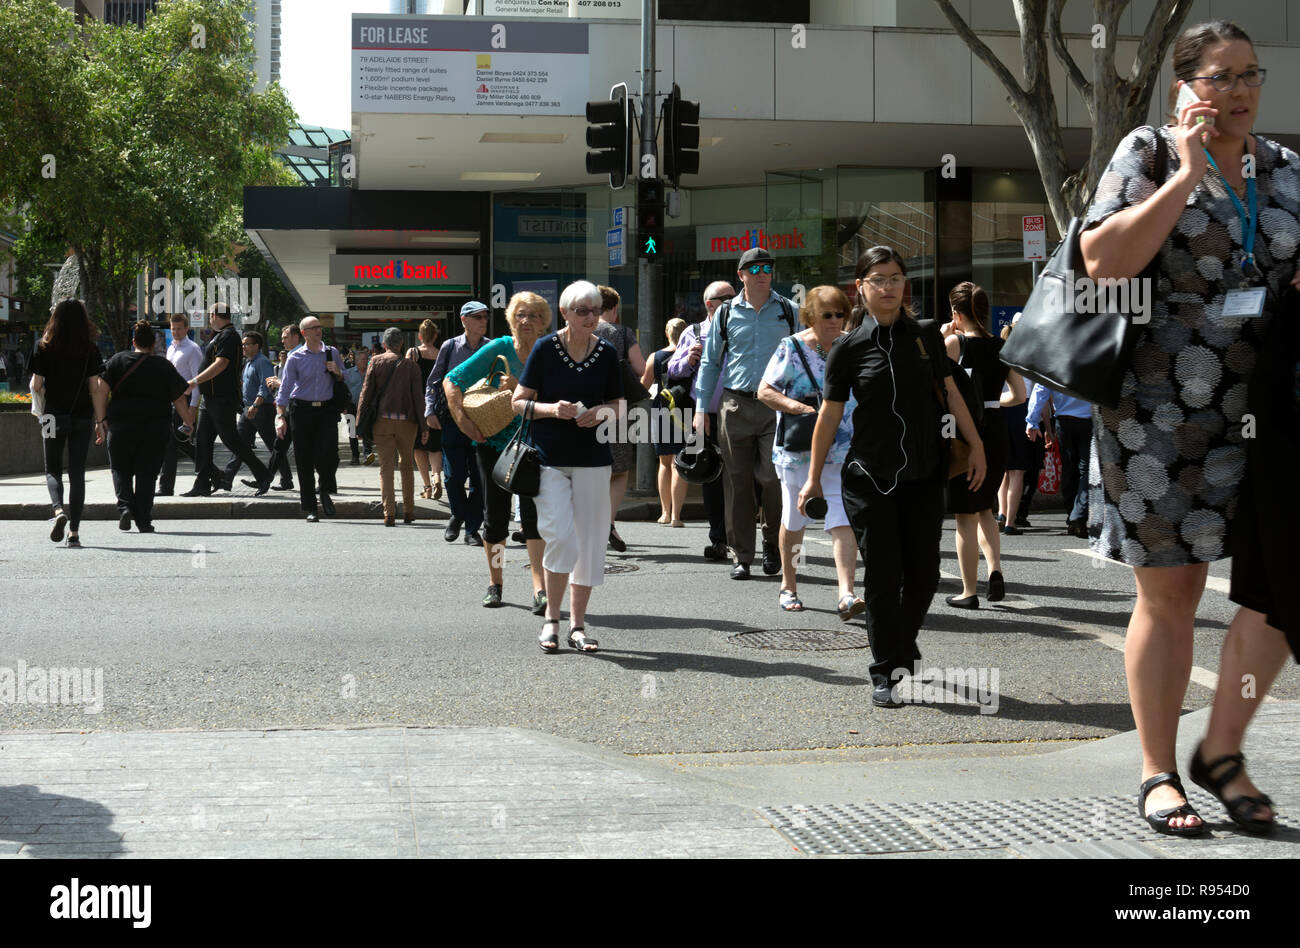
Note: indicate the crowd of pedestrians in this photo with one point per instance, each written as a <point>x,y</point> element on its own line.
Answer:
<point>850,412</point>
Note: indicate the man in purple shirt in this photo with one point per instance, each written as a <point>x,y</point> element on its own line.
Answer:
<point>683,366</point>
<point>304,394</point>
<point>466,509</point>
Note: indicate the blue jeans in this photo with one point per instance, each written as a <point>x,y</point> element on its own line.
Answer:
<point>458,463</point>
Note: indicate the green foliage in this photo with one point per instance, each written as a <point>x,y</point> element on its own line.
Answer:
<point>153,136</point>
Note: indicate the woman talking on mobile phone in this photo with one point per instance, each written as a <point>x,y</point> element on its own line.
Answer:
<point>1168,460</point>
<point>893,478</point>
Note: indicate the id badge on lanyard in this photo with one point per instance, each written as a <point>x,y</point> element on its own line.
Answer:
<point>1247,302</point>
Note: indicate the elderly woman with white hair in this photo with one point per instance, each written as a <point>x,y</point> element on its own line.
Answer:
<point>570,385</point>
<point>399,422</point>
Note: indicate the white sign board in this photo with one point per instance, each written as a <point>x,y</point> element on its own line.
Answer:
<point>554,9</point>
<point>433,66</point>
<point>614,243</point>
<point>1035,235</point>
<point>729,241</point>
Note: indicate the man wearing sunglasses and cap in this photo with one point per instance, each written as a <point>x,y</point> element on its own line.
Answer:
<point>457,449</point>
<point>749,329</point>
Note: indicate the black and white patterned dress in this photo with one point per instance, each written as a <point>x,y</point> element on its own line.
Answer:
<point>1166,463</point>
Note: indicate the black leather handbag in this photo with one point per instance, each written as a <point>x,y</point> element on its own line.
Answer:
<point>1084,355</point>
<point>519,469</point>
<point>795,432</point>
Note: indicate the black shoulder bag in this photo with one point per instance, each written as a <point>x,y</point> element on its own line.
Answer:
<point>519,469</point>
<point>794,433</point>
<point>1081,354</point>
<point>342,396</point>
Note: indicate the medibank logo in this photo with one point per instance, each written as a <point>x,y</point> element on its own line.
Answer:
<point>800,237</point>
<point>401,270</point>
<point>757,237</point>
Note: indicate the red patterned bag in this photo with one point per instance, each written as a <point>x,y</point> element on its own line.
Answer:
<point>1049,478</point>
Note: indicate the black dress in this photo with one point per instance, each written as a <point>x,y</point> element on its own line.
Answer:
<point>980,355</point>
<point>434,444</point>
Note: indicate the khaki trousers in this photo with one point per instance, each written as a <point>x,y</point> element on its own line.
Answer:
<point>393,439</point>
<point>747,429</point>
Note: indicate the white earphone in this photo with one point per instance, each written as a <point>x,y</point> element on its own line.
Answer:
<point>889,358</point>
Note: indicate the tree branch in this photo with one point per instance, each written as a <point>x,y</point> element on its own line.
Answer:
<point>1072,69</point>
<point>1162,29</point>
<point>1020,101</point>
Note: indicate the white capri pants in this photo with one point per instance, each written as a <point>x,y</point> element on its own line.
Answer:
<point>792,481</point>
<point>573,519</point>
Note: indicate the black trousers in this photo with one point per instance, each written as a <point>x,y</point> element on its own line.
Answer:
<point>75,433</point>
<point>217,420</point>
<point>1076,447</point>
<point>171,452</point>
<point>262,426</point>
<point>135,454</point>
<point>315,433</point>
<point>715,496</point>
<point>898,535</point>
<point>497,502</point>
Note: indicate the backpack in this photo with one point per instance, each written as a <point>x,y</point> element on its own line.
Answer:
<point>724,314</point>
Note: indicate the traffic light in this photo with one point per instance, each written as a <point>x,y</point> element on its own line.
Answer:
<point>610,133</point>
<point>649,218</point>
<point>681,122</point>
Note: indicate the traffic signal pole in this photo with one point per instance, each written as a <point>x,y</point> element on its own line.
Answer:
<point>648,317</point>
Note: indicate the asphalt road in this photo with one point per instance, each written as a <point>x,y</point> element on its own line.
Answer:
<point>253,624</point>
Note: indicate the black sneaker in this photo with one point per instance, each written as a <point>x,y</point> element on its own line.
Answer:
<point>882,696</point>
<point>717,552</point>
<point>518,537</point>
<point>145,527</point>
<point>74,541</point>
<point>771,560</point>
<point>56,531</point>
<point>493,598</point>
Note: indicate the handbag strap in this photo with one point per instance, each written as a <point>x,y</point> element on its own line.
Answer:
<point>504,372</point>
<point>798,349</point>
<point>134,365</point>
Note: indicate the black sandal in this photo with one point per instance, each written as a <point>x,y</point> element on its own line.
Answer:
<point>578,640</point>
<point>1239,808</point>
<point>550,643</point>
<point>1159,820</point>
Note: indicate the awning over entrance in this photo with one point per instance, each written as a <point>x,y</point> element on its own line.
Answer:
<point>378,256</point>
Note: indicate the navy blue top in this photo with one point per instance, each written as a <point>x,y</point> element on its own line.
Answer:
<point>553,374</point>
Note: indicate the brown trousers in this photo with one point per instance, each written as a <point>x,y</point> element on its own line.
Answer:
<point>393,439</point>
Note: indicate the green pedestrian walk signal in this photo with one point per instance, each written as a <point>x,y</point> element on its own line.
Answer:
<point>649,218</point>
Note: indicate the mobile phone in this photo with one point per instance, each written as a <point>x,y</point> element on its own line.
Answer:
<point>1187,97</point>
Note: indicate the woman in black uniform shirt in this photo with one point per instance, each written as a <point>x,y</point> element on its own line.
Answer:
<point>897,464</point>
<point>65,369</point>
<point>973,348</point>
<point>145,387</point>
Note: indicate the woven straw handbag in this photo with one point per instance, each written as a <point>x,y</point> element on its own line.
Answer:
<point>488,404</point>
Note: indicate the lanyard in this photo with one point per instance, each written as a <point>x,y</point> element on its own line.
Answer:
<point>1247,219</point>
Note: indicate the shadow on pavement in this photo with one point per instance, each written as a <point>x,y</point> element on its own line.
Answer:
<point>56,825</point>
<point>643,662</point>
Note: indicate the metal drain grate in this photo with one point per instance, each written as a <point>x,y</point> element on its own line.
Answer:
<point>982,824</point>
<point>800,640</point>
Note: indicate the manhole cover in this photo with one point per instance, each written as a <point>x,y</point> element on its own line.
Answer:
<point>800,640</point>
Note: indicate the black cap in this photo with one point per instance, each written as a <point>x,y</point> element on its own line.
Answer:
<point>755,255</point>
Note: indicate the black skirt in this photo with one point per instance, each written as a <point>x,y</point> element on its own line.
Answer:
<point>961,499</point>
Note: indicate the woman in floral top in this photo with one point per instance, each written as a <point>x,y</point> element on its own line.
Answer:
<point>792,385</point>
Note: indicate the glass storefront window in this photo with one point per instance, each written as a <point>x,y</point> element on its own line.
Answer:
<point>887,206</point>
<point>1001,199</point>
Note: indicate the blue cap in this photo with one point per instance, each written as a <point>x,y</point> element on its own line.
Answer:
<point>472,307</point>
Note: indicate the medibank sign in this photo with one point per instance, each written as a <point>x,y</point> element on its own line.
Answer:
<point>801,238</point>
<point>395,270</point>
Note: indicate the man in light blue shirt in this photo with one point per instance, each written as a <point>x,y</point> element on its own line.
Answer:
<point>1074,434</point>
<point>256,416</point>
<point>748,331</point>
